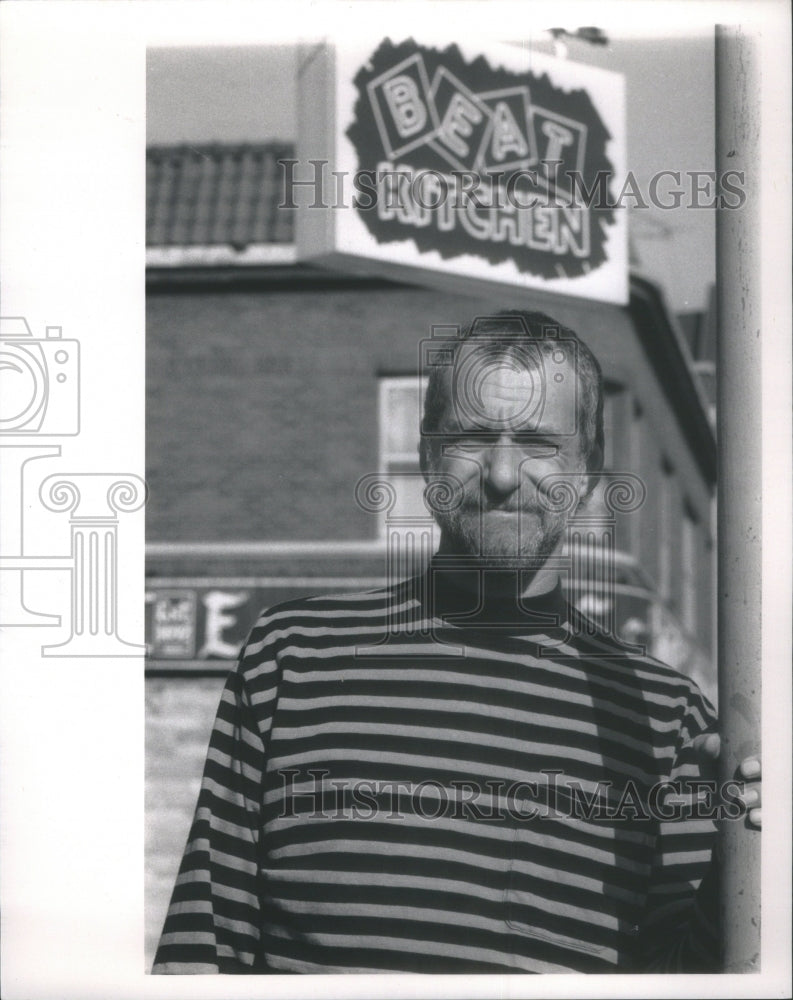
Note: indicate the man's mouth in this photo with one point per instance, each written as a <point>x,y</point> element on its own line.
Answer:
<point>499,509</point>
<point>473,508</point>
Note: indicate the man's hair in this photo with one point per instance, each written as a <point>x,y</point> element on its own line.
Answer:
<point>508,334</point>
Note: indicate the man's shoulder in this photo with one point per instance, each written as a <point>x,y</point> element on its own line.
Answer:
<point>325,605</point>
<point>333,611</point>
<point>622,660</point>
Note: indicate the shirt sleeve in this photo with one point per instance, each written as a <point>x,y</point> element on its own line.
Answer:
<point>213,921</point>
<point>679,930</point>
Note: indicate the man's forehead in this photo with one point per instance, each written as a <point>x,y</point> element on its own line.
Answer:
<point>503,381</point>
<point>481,387</point>
<point>505,392</point>
<point>493,388</point>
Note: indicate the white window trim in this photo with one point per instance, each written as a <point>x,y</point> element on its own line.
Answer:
<point>385,458</point>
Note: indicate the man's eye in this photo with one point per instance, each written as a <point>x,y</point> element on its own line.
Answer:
<point>469,442</point>
<point>536,446</point>
<point>528,444</point>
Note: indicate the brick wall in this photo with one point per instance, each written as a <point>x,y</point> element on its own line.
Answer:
<point>262,405</point>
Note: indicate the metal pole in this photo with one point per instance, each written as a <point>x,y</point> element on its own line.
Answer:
<point>739,490</point>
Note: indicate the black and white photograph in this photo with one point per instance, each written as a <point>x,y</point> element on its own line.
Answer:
<point>396,427</point>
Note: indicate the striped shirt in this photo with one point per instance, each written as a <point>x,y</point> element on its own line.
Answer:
<point>389,790</point>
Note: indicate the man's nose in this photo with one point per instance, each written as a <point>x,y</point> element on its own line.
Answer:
<point>502,468</point>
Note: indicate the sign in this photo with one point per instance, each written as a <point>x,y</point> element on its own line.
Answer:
<point>465,162</point>
<point>172,625</point>
<point>211,622</point>
<point>196,623</point>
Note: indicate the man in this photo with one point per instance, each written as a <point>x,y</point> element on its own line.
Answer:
<point>459,773</point>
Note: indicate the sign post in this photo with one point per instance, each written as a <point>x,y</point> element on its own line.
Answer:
<point>739,492</point>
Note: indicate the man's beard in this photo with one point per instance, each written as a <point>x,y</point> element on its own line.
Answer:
<point>501,535</point>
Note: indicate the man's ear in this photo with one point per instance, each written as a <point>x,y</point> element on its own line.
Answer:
<point>588,484</point>
<point>590,477</point>
<point>595,463</point>
<point>424,457</point>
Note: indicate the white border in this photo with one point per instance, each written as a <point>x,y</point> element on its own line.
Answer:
<point>72,253</point>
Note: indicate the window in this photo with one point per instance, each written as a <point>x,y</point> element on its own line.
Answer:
<point>401,399</point>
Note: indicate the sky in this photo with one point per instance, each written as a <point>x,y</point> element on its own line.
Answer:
<point>248,93</point>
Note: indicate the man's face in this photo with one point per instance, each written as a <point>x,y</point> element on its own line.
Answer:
<point>499,445</point>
